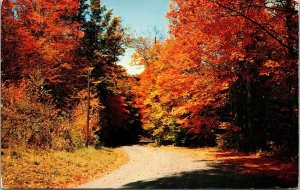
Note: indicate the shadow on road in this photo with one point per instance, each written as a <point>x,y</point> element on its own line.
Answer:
<point>219,176</point>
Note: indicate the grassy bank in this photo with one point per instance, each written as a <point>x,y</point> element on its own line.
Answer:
<point>57,169</point>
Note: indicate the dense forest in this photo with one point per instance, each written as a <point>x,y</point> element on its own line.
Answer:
<point>227,72</point>
<point>55,56</point>
<point>227,76</point>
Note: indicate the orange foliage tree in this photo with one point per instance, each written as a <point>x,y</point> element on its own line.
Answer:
<point>39,40</point>
<point>228,62</point>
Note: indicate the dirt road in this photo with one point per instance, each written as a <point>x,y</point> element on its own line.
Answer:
<point>161,168</point>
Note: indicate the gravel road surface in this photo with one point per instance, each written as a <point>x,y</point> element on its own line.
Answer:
<point>155,168</point>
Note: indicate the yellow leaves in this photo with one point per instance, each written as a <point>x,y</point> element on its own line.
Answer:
<point>178,111</point>
<point>82,94</point>
<point>271,64</point>
<point>159,113</point>
<point>158,131</point>
<point>167,121</point>
<point>79,114</point>
<point>238,56</point>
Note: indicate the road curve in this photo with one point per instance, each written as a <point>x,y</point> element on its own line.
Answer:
<point>146,164</point>
<point>158,168</point>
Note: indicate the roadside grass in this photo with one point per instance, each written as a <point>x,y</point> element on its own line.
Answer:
<point>254,163</point>
<point>57,169</point>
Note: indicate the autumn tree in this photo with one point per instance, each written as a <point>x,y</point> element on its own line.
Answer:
<point>39,39</point>
<point>226,64</point>
<point>157,122</point>
<point>45,41</point>
<point>260,37</point>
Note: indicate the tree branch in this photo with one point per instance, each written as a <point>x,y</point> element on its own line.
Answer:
<point>256,23</point>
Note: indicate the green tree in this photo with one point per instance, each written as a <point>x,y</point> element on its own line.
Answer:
<point>103,43</point>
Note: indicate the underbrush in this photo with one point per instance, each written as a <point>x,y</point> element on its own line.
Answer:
<point>29,168</point>
<point>31,118</point>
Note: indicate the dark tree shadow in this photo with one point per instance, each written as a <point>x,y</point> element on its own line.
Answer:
<point>219,176</point>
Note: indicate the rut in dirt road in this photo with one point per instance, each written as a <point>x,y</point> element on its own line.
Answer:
<point>160,168</point>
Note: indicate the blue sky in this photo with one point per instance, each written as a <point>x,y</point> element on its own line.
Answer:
<point>140,16</point>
